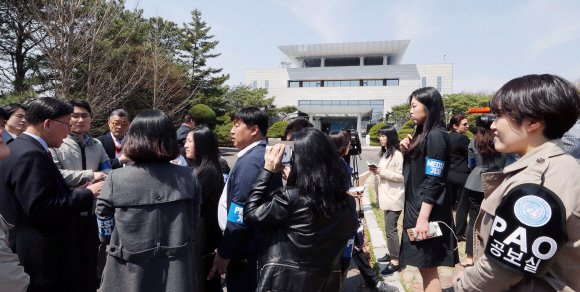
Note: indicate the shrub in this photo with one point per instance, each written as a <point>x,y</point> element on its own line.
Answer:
<point>203,114</point>
<point>407,128</point>
<point>277,130</point>
<point>374,133</point>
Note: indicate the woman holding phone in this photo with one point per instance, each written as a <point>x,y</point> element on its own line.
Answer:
<point>390,192</point>
<point>425,171</point>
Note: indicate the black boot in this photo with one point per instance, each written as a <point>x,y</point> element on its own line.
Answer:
<point>390,269</point>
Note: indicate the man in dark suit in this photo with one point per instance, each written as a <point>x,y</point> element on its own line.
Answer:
<point>36,199</point>
<point>4,116</point>
<point>187,123</point>
<point>113,140</point>
<point>15,124</point>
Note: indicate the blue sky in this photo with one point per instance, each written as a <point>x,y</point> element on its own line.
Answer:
<point>488,42</point>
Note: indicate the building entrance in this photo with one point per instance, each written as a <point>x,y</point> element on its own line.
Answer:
<point>336,124</point>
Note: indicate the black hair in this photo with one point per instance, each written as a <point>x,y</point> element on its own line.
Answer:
<point>434,117</point>
<point>318,173</point>
<point>120,113</point>
<point>12,107</point>
<point>3,114</point>
<point>185,119</point>
<point>80,103</point>
<point>548,98</point>
<point>455,121</point>
<point>340,140</point>
<point>297,125</point>
<point>151,137</point>
<point>206,148</point>
<point>392,141</point>
<point>46,108</point>
<point>252,116</point>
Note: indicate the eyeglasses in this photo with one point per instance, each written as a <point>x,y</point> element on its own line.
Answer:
<point>69,125</point>
<point>117,124</point>
<point>78,116</point>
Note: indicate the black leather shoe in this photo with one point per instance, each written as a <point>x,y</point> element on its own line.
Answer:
<point>390,269</point>
<point>385,259</point>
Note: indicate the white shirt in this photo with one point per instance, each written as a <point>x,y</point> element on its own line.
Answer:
<point>223,204</point>
<point>13,136</point>
<point>42,142</point>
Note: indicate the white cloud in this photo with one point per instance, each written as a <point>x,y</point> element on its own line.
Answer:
<point>320,16</point>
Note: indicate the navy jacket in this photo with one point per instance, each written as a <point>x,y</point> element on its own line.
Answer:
<point>240,239</point>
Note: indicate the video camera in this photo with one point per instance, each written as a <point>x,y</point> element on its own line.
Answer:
<point>484,120</point>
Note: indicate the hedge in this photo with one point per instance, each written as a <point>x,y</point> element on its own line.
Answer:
<point>277,130</point>
<point>203,114</point>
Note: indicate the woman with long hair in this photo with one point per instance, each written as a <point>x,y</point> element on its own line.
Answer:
<point>528,225</point>
<point>482,158</point>
<point>147,212</point>
<point>201,147</point>
<point>425,171</point>
<point>308,222</point>
<point>341,141</point>
<point>458,171</point>
<point>390,192</point>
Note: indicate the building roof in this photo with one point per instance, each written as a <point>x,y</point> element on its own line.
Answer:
<point>394,49</point>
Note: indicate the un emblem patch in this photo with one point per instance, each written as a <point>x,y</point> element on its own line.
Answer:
<point>532,211</point>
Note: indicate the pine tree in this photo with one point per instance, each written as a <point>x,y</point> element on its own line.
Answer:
<point>197,47</point>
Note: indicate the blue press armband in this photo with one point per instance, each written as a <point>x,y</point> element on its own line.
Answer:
<point>105,165</point>
<point>226,176</point>
<point>471,161</point>
<point>434,167</point>
<point>347,251</point>
<point>106,226</point>
<point>236,214</point>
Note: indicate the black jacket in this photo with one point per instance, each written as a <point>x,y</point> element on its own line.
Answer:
<point>36,199</point>
<point>109,145</point>
<point>299,249</point>
<point>459,144</point>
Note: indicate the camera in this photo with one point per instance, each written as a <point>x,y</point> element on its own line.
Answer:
<point>485,120</point>
<point>288,155</point>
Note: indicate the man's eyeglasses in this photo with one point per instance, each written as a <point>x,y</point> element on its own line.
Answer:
<point>117,124</point>
<point>69,125</point>
<point>78,116</point>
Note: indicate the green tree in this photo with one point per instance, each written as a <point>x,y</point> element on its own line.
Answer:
<point>374,133</point>
<point>285,112</point>
<point>277,130</point>
<point>203,114</point>
<point>400,114</point>
<point>240,96</point>
<point>197,46</point>
<point>455,104</point>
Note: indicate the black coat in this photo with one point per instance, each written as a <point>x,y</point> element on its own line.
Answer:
<point>36,199</point>
<point>109,145</point>
<point>299,249</point>
<point>429,188</point>
<point>458,160</point>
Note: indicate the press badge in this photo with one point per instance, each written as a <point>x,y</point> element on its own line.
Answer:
<point>528,229</point>
<point>434,167</point>
<point>236,214</point>
<point>106,226</point>
<point>347,251</point>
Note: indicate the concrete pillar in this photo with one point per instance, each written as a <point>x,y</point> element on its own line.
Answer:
<point>362,60</point>
<point>311,118</point>
<point>359,125</point>
<point>322,62</point>
<point>385,60</point>
<point>301,62</point>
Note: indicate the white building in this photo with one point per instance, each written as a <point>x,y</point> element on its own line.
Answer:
<point>348,85</point>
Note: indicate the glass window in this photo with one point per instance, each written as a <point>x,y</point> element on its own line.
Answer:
<point>267,84</point>
<point>424,82</point>
<point>439,83</point>
<point>316,102</point>
<point>353,102</point>
<point>336,103</point>
<point>326,103</point>
<point>392,82</point>
<point>345,83</point>
<point>344,103</point>
<point>377,102</point>
<point>304,103</point>
<point>318,83</point>
<point>364,102</point>
<point>328,83</point>
<point>255,85</point>
<point>294,84</point>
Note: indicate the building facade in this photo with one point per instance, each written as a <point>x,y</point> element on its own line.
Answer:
<point>348,85</point>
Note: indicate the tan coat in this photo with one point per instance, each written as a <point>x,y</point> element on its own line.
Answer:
<point>389,183</point>
<point>562,176</point>
<point>12,275</point>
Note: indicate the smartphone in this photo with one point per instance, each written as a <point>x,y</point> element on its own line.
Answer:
<point>371,165</point>
<point>434,231</point>
<point>287,156</point>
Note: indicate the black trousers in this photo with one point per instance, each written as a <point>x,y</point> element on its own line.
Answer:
<point>243,273</point>
<point>475,199</point>
<point>363,265</point>
<point>456,185</point>
<point>88,246</point>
